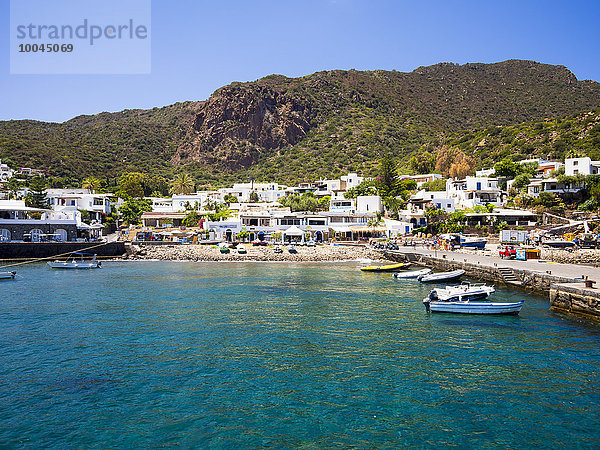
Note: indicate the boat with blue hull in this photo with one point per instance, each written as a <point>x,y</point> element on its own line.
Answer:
<point>473,242</point>
<point>473,307</point>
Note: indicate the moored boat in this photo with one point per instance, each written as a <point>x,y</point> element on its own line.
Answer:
<point>7,275</point>
<point>385,268</point>
<point>472,241</point>
<point>473,307</point>
<point>442,276</point>
<point>411,273</point>
<point>241,249</point>
<point>77,263</point>
<point>465,291</point>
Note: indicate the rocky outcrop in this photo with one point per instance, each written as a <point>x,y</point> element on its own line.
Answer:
<point>240,122</point>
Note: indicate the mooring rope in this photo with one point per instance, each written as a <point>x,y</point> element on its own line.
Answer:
<point>29,261</point>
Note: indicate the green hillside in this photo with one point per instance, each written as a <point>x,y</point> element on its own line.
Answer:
<point>324,125</point>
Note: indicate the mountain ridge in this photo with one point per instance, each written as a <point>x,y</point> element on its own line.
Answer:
<point>320,124</point>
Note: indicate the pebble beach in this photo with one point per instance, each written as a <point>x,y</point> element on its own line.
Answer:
<point>212,253</point>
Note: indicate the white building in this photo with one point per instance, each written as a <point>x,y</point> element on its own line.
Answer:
<point>581,166</point>
<point>473,191</point>
<point>342,204</point>
<point>97,205</point>
<point>369,204</point>
<point>21,223</point>
<point>553,186</point>
<point>5,172</point>
<point>437,199</point>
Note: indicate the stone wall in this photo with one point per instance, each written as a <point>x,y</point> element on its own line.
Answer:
<point>18,230</point>
<point>576,300</point>
<point>535,281</point>
<point>33,250</point>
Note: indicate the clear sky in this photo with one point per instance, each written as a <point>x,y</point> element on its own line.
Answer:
<point>198,46</point>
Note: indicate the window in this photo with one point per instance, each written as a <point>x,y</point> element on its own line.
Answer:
<point>449,205</point>
<point>4,235</point>
<point>60,235</point>
<point>479,185</point>
<point>98,201</point>
<point>575,163</point>
<point>36,235</point>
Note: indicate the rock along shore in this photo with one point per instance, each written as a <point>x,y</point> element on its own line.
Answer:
<point>212,253</point>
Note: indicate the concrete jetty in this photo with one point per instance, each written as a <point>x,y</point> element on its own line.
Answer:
<point>571,287</point>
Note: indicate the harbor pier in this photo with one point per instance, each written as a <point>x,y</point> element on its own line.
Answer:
<point>569,286</point>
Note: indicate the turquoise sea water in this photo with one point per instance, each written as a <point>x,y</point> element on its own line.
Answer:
<point>282,355</point>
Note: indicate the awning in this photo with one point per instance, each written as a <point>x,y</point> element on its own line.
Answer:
<point>293,231</point>
<point>342,229</point>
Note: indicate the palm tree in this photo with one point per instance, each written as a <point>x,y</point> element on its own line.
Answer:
<point>182,184</point>
<point>91,183</point>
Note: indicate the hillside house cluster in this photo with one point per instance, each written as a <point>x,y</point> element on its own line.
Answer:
<point>265,217</point>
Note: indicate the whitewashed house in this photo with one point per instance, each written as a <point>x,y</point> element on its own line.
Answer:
<point>581,166</point>
<point>5,172</point>
<point>97,205</point>
<point>473,191</point>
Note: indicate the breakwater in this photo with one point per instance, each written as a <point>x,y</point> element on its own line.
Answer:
<point>33,250</point>
<point>566,293</point>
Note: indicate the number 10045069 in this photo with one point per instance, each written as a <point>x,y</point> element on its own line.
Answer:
<point>45,48</point>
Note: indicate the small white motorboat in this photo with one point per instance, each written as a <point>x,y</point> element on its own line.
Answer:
<point>241,249</point>
<point>411,273</point>
<point>443,276</point>
<point>77,263</point>
<point>465,291</point>
<point>7,275</point>
<point>473,307</point>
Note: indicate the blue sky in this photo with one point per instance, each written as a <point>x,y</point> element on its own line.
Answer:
<point>198,46</point>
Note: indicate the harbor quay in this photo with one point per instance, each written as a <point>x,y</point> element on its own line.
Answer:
<point>571,287</point>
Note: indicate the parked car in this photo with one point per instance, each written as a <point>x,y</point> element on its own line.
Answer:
<point>507,252</point>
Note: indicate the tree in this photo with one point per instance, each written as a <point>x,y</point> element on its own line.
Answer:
<point>37,194</point>
<point>192,219</point>
<point>132,209</point>
<point>91,183</point>
<point>521,181</point>
<point>304,202</point>
<point>229,199</point>
<point>182,184</point>
<point>423,163</point>
<point>387,181</point>
<point>253,197</point>
<point>507,168</point>
<point>462,166</point>
<point>364,188</point>
<point>435,185</point>
<point>131,185</point>
<point>156,186</point>
<point>452,162</point>
<point>324,203</point>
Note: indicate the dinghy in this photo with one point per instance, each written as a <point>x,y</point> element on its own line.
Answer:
<point>443,276</point>
<point>411,274</point>
<point>7,275</point>
<point>386,268</point>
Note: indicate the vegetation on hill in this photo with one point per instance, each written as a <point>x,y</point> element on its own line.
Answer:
<point>326,124</point>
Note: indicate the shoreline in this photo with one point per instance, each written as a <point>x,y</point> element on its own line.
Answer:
<point>197,253</point>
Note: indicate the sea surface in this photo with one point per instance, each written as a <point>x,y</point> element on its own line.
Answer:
<point>238,355</point>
